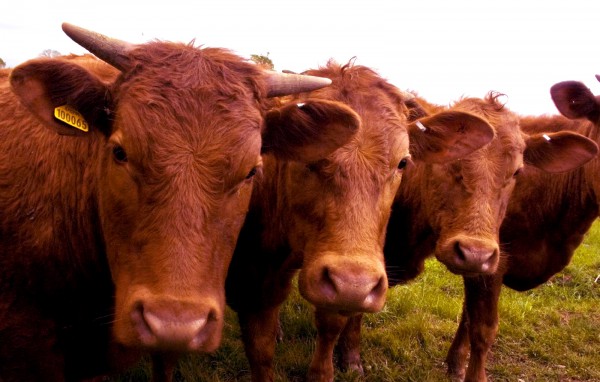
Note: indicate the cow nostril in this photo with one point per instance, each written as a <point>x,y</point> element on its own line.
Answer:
<point>489,262</point>
<point>141,325</point>
<point>212,315</point>
<point>378,290</point>
<point>459,252</point>
<point>381,286</point>
<point>328,286</point>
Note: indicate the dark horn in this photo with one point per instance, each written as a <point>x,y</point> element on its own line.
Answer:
<point>112,51</point>
<point>280,84</point>
<point>598,77</point>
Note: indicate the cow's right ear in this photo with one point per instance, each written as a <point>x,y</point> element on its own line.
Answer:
<point>308,131</point>
<point>42,85</point>
<point>574,100</point>
<point>559,152</point>
<point>447,136</point>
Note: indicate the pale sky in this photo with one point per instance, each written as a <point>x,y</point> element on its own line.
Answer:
<point>441,49</point>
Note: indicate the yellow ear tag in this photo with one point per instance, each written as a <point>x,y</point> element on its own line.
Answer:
<point>71,117</point>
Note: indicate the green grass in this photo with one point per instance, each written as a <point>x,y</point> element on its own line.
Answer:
<point>551,333</point>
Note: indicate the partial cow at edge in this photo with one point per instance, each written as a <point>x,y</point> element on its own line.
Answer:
<point>547,219</point>
<point>116,240</point>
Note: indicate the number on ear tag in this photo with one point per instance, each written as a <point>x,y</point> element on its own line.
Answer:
<point>71,117</point>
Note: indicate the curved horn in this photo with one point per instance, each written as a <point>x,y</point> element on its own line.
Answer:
<point>112,51</point>
<point>279,84</point>
<point>598,77</point>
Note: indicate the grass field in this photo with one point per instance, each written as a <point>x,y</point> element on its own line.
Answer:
<point>551,333</point>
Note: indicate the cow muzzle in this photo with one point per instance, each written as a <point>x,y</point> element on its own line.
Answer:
<point>469,256</point>
<point>169,324</point>
<point>344,284</point>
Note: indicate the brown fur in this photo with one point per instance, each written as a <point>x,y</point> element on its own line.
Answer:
<point>120,238</point>
<point>440,204</point>
<point>547,218</point>
<point>448,209</point>
<point>303,210</point>
<point>327,217</point>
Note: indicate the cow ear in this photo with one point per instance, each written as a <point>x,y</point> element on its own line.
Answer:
<point>559,152</point>
<point>447,136</point>
<point>574,100</point>
<point>308,131</point>
<point>42,85</point>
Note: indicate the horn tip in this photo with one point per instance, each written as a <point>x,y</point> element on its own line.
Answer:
<point>598,77</point>
<point>73,31</point>
<point>324,81</point>
<point>284,84</point>
<point>68,27</point>
<point>314,82</point>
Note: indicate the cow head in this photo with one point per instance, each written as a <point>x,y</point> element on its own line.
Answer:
<point>339,204</point>
<point>175,139</point>
<point>465,200</point>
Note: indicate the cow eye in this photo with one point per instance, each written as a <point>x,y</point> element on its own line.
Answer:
<point>119,154</point>
<point>316,166</point>
<point>252,172</point>
<point>517,172</point>
<point>403,163</point>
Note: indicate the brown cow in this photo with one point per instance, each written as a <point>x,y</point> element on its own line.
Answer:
<point>126,231</point>
<point>454,210</point>
<point>547,218</point>
<point>327,215</point>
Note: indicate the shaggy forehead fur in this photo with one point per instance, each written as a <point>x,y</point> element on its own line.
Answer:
<point>499,155</point>
<point>382,137</point>
<point>179,104</point>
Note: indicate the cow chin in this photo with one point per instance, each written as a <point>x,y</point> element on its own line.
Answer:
<point>469,256</point>
<point>344,284</point>
<point>166,323</point>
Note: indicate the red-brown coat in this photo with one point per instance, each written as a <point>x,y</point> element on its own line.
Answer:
<point>122,236</point>
<point>547,218</point>
<point>326,215</point>
<point>454,210</point>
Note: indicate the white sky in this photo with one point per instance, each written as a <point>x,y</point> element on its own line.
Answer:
<point>441,49</point>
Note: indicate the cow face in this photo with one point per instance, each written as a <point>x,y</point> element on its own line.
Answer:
<point>466,199</point>
<point>176,182</point>
<point>339,204</point>
<point>176,140</point>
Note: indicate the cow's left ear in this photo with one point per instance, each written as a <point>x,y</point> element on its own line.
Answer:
<point>308,131</point>
<point>574,100</point>
<point>559,152</point>
<point>43,85</point>
<point>447,136</point>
